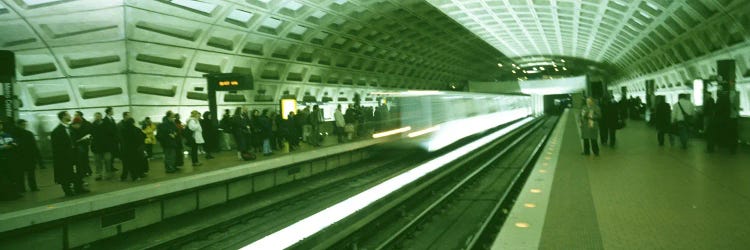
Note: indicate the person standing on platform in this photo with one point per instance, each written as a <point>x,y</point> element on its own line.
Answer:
<point>149,128</point>
<point>196,139</point>
<point>28,155</point>
<point>340,123</point>
<point>734,114</point>
<point>292,135</point>
<point>63,157</point>
<point>167,136</point>
<point>239,128</point>
<point>81,141</point>
<point>101,146</point>
<point>210,135</point>
<point>316,117</point>
<point>682,113</point>
<point>709,120</point>
<point>179,149</point>
<point>662,119</point>
<point>256,138</point>
<point>265,132</point>
<point>610,121</point>
<point>302,122</point>
<point>8,146</point>
<point>226,128</point>
<point>133,147</point>
<point>109,137</point>
<point>590,115</point>
<point>86,130</point>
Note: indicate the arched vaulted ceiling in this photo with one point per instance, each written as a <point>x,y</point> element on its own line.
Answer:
<point>635,36</point>
<point>93,53</point>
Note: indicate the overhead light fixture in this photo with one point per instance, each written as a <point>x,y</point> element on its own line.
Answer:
<point>542,68</point>
<point>537,64</point>
<point>564,68</point>
<point>518,67</point>
<point>513,64</point>
<point>562,60</point>
<point>500,65</point>
<point>534,68</point>
<point>524,71</point>
<point>513,71</point>
<point>532,71</point>
<point>556,70</point>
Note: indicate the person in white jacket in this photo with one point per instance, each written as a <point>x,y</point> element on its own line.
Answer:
<point>194,124</point>
<point>340,123</point>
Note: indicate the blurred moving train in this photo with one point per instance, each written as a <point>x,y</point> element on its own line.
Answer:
<point>438,118</point>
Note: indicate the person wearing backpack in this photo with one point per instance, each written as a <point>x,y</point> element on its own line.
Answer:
<point>683,112</point>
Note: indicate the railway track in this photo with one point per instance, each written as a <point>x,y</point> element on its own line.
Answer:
<point>461,208</point>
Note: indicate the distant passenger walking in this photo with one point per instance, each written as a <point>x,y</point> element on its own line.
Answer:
<point>662,118</point>
<point>683,112</point>
<point>590,115</point>
<point>610,121</point>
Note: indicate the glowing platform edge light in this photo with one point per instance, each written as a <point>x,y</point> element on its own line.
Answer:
<point>306,227</point>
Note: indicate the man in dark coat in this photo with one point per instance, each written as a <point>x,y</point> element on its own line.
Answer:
<point>609,122</point>
<point>167,136</point>
<point>109,138</point>
<point>8,190</point>
<point>101,146</point>
<point>132,150</point>
<point>662,120</point>
<point>63,157</point>
<point>28,156</point>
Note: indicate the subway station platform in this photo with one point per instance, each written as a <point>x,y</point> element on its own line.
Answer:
<point>50,220</point>
<point>636,195</point>
<point>51,193</point>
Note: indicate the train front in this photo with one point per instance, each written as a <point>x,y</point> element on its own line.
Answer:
<point>433,120</point>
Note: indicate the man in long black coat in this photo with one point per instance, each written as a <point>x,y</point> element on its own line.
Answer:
<point>109,136</point>
<point>28,156</point>
<point>63,157</point>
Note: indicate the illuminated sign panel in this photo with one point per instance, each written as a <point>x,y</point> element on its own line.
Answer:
<point>230,82</point>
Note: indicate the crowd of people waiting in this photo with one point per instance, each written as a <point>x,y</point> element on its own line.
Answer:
<point>75,139</point>
<point>716,120</point>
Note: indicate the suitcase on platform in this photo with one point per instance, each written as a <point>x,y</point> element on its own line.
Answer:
<point>248,156</point>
